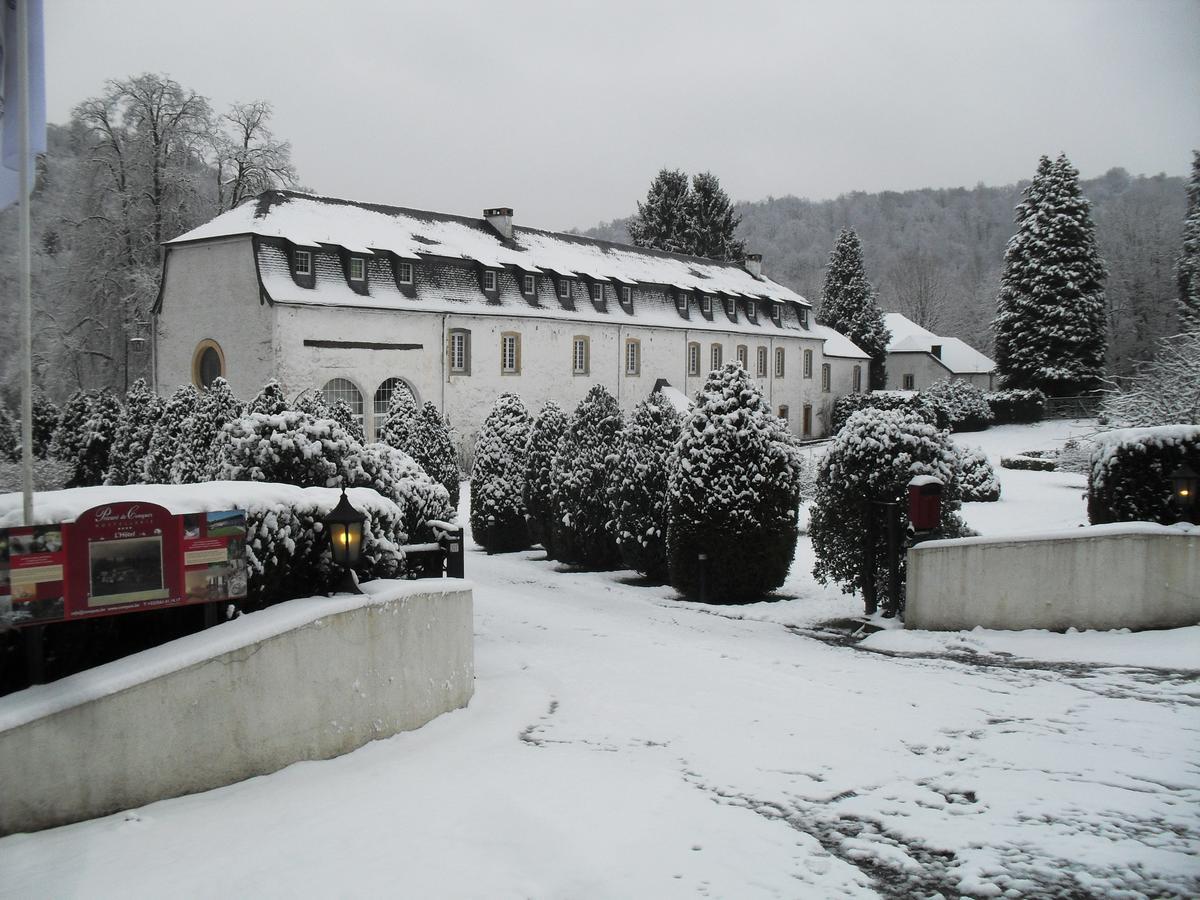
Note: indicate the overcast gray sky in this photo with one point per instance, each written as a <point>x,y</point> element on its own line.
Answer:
<point>566,110</point>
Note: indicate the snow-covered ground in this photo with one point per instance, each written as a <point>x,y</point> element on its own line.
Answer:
<point>622,743</point>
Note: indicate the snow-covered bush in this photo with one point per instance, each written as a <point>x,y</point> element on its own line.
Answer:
<point>135,431</point>
<point>637,486</point>
<point>10,435</point>
<point>169,433</point>
<point>341,413</point>
<point>976,478</point>
<point>1165,391</point>
<point>906,401</point>
<point>1029,462</point>
<point>196,456</point>
<point>397,477</point>
<point>85,435</point>
<point>424,435</point>
<point>580,471</point>
<point>45,423</point>
<point>540,503</point>
<point>400,423</point>
<point>68,433</point>
<point>1016,406</point>
<point>1130,480</point>
<point>733,492</point>
<point>270,401</point>
<point>964,404</point>
<point>290,448</point>
<point>874,457</point>
<point>498,477</point>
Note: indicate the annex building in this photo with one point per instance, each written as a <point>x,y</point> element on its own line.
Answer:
<point>358,299</point>
<point>916,358</point>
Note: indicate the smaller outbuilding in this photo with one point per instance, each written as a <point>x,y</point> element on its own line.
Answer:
<point>916,358</point>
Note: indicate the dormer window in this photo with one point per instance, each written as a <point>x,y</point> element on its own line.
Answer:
<point>303,262</point>
<point>489,280</point>
<point>681,302</point>
<point>358,269</point>
<point>803,317</point>
<point>731,308</point>
<point>706,305</point>
<point>627,296</point>
<point>776,312</point>
<point>598,292</point>
<point>752,310</point>
<point>404,273</point>
<point>564,288</point>
<point>529,284</point>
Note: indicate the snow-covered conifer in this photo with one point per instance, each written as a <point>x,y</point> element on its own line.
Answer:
<point>540,503</point>
<point>1187,267</point>
<point>965,404</point>
<point>874,457</point>
<point>396,476</point>
<point>400,423</point>
<point>711,221</point>
<point>662,221</point>
<point>270,401</point>
<point>436,453</point>
<point>290,448</point>
<point>135,430</point>
<point>45,423</point>
<point>10,435</point>
<point>637,485</point>
<point>68,432</point>
<point>1050,321</point>
<point>341,413</point>
<point>733,492</point>
<point>170,431</point>
<point>498,477</point>
<point>849,305</point>
<point>85,435</point>
<point>195,457</point>
<point>977,480</point>
<point>311,403</point>
<point>580,472</point>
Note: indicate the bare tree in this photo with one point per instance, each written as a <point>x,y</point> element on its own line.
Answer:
<point>1165,391</point>
<point>919,288</point>
<point>249,159</point>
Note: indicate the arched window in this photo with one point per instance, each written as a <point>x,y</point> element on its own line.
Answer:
<point>208,363</point>
<point>344,389</point>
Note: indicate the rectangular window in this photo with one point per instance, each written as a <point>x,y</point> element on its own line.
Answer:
<point>803,317</point>
<point>681,301</point>
<point>510,353</point>
<point>776,312</point>
<point>357,269</point>
<point>633,356</point>
<point>808,364</point>
<point>731,308</point>
<point>693,359</point>
<point>303,262</point>
<point>489,280</point>
<point>706,305</point>
<point>762,362</point>
<point>857,379</point>
<point>530,284</point>
<point>405,273</point>
<point>579,355</point>
<point>778,362</point>
<point>909,382</point>
<point>751,310</point>
<point>716,356</point>
<point>743,356</point>
<point>598,293</point>
<point>807,423</point>
<point>783,413</point>
<point>627,296</point>
<point>826,378</point>
<point>460,352</point>
<point>564,288</point>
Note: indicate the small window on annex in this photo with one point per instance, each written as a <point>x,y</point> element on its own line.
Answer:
<point>808,364</point>
<point>857,379</point>
<point>716,356</point>
<point>580,351</point>
<point>826,377</point>
<point>909,382</point>
<point>693,359</point>
<point>633,356</point>
<point>303,262</point>
<point>458,350</point>
<point>510,353</point>
<point>345,389</point>
<point>404,273</point>
<point>358,269</point>
<point>762,362</point>
<point>208,363</point>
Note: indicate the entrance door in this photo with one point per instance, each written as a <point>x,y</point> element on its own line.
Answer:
<point>808,420</point>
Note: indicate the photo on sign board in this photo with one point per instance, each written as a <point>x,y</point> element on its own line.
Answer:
<point>126,570</point>
<point>47,539</point>
<point>227,523</point>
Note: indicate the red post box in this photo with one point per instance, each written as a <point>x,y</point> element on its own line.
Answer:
<point>925,502</point>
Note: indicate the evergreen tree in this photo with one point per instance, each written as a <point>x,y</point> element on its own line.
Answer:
<point>849,305</point>
<point>434,450</point>
<point>311,403</point>
<point>498,477</point>
<point>290,448</point>
<point>1050,315</point>
<point>195,457</point>
<point>45,423</point>
<point>1187,268</point>
<point>662,221</point>
<point>580,471</point>
<point>544,439</point>
<point>400,423</point>
<point>271,400</point>
<point>170,432</point>
<point>733,492</point>
<point>711,221</point>
<point>68,439</point>
<point>341,413</point>
<point>637,486</point>
<point>10,435</point>
<point>135,430</point>
<point>85,435</point>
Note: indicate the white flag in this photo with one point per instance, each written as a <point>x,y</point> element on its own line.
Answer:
<point>13,90</point>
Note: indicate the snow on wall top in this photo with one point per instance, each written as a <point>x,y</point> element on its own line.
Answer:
<point>958,356</point>
<point>309,220</point>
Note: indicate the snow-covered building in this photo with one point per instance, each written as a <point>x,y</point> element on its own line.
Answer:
<point>356,299</point>
<point>916,358</point>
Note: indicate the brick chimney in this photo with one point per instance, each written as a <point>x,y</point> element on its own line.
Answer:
<point>753,264</point>
<point>500,218</point>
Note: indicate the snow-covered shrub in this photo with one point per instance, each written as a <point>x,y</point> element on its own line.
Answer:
<point>1029,462</point>
<point>1016,406</point>
<point>45,423</point>
<point>922,405</point>
<point>135,431</point>
<point>733,492</point>
<point>341,413</point>
<point>290,448</point>
<point>169,433</point>
<point>196,456</point>
<point>270,401</point>
<point>1130,480</point>
<point>976,478</point>
<point>1076,456</point>
<point>874,457</point>
<point>84,436</point>
<point>311,403</point>
<point>964,404</point>
<point>424,435</point>
<point>10,435</point>
<point>540,503</point>
<point>397,477</point>
<point>1165,391</point>
<point>68,433</point>
<point>400,423</point>
<point>498,477</point>
<point>580,471</point>
<point>637,486</point>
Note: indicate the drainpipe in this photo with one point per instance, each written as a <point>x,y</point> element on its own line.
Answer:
<point>445,374</point>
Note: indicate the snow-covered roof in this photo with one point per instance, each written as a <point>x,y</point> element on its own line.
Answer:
<point>956,355</point>
<point>837,344</point>
<point>304,219</point>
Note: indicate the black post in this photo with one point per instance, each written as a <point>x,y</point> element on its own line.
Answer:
<point>491,534</point>
<point>212,612</point>
<point>455,558</point>
<point>702,561</point>
<point>35,653</point>
<point>870,539</point>
<point>893,542</point>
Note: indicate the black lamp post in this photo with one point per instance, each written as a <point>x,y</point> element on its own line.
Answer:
<point>345,524</point>
<point>1185,484</point>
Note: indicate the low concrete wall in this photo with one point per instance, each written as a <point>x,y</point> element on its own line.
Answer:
<point>308,679</point>
<point>1129,575</point>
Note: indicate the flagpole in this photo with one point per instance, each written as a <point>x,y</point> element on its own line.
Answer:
<point>25,254</point>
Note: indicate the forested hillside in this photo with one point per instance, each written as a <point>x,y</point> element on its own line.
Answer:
<point>936,255</point>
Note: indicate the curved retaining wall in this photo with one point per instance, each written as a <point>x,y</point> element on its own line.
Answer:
<point>308,679</point>
<point>1128,575</point>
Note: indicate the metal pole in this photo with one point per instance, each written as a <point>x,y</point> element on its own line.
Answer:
<point>24,252</point>
<point>870,539</point>
<point>893,541</point>
<point>702,561</point>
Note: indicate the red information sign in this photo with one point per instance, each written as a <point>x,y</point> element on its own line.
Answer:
<point>120,557</point>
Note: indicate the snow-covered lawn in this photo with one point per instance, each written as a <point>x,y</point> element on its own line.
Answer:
<point>622,743</point>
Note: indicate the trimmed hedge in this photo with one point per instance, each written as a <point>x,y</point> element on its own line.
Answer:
<point>1028,461</point>
<point>963,402</point>
<point>929,409</point>
<point>1017,407</point>
<point>1130,480</point>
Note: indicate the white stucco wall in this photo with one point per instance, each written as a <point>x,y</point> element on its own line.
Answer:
<point>925,370</point>
<point>1130,575</point>
<point>307,679</point>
